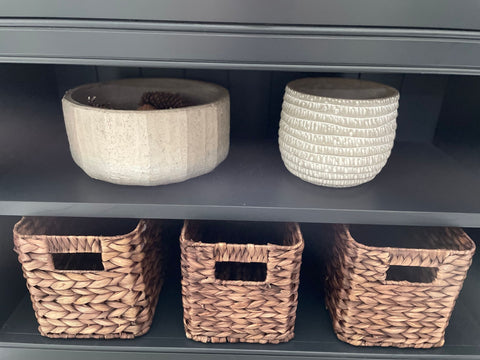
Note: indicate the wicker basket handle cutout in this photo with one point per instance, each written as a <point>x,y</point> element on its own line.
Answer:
<point>75,253</point>
<point>91,253</point>
<point>416,266</point>
<point>389,265</point>
<point>65,253</point>
<point>427,266</point>
<point>60,253</point>
<point>244,259</point>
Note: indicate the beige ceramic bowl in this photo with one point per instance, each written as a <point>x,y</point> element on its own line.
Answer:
<point>152,147</point>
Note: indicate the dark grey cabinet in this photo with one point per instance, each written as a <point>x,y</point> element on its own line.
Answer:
<point>429,50</point>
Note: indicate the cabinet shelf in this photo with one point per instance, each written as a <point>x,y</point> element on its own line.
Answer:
<point>421,184</point>
<point>314,336</point>
<point>252,184</point>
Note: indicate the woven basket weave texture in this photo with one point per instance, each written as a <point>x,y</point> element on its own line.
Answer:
<point>370,309</point>
<point>116,302</point>
<point>219,310</point>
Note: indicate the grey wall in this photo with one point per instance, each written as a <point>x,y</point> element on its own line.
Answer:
<point>458,128</point>
<point>460,115</point>
<point>28,89</point>
<point>13,283</point>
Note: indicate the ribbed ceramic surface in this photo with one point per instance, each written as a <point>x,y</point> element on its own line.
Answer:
<point>337,132</point>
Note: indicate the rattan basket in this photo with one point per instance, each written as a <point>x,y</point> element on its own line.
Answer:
<point>234,288</point>
<point>395,286</point>
<point>89,286</point>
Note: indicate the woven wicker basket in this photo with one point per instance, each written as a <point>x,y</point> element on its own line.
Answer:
<point>254,302</point>
<point>89,286</point>
<point>385,292</point>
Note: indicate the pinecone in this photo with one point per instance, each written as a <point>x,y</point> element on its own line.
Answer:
<point>92,101</point>
<point>163,100</point>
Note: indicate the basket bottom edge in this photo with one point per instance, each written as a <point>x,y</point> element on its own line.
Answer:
<point>387,343</point>
<point>226,339</point>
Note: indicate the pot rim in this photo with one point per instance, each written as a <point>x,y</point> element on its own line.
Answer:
<point>392,93</point>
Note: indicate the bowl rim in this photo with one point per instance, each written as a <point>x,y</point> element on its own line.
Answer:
<point>67,97</point>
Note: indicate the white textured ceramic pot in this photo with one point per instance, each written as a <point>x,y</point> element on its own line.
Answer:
<point>153,147</point>
<point>337,132</point>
